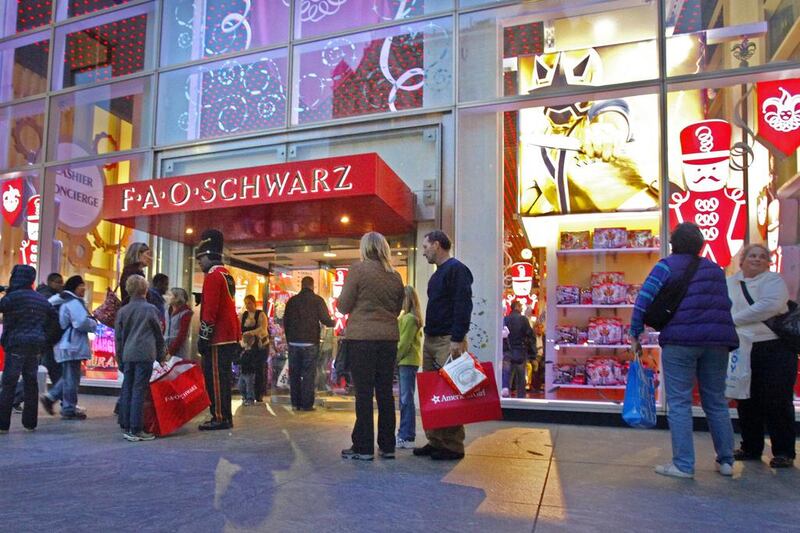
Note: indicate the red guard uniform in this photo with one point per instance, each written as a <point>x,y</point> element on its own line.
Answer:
<point>218,311</point>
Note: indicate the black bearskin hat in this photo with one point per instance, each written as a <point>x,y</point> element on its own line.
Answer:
<point>210,244</point>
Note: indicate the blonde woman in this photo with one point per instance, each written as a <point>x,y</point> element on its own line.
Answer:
<point>409,357</point>
<point>373,297</point>
<point>138,256</point>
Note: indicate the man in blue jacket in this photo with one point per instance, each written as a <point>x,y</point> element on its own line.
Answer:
<point>25,316</point>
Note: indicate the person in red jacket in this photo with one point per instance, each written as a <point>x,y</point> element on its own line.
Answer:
<point>220,331</point>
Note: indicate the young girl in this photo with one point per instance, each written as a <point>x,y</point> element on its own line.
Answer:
<point>409,357</point>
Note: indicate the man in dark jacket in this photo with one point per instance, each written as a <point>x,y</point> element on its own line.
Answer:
<point>25,315</point>
<point>301,322</point>
<point>55,284</point>
<point>521,347</point>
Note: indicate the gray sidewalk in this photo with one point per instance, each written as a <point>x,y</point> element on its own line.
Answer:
<point>281,471</point>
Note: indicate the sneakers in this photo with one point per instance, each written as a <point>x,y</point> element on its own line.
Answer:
<point>425,451</point>
<point>138,436</point>
<point>504,393</point>
<point>671,470</point>
<point>781,462</point>
<point>47,404</point>
<point>446,455</point>
<point>404,444</point>
<point>350,454</point>
<point>77,415</point>
<point>16,409</point>
<point>724,469</point>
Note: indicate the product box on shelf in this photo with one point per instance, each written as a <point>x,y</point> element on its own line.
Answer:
<point>633,292</point>
<point>575,240</point>
<point>604,330</point>
<point>599,278</point>
<point>586,296</point>
<point>610,238</point>
<point>582,335</point>
<point>567,294</point>
<point>640,238</point>
<point>566,335</point>
<point>609,294</point>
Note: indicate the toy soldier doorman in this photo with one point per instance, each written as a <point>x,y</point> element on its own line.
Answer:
<point>219,329</point>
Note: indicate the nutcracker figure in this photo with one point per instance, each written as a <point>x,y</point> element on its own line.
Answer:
<point>220,330</point>
<point>521,278</point>
<point>718,210</point>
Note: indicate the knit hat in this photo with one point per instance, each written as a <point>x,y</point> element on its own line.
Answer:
<point>73,283</point>
<point>210,244</point>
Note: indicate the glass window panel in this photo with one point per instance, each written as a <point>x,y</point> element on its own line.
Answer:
<point>194,29</point>
<point>76,8</point>
<point>550,46</point>
<point>317,17</point>
<point>224,97</point>
<point>22,15</point>
<point>391,69</point>
<point>708,35</point>
<point>19,224</point>
<point>23,67</point>
<point>100,120</point>
<point>21,134</point>
<point>103,47</point>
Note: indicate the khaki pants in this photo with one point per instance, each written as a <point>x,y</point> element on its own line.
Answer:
<point>437,349</point>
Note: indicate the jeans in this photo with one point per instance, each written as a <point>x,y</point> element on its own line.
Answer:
<point>247,386</point>
<point>135,382</point>
<point>515,375</point>
<point>372,368</point>
<point>66,389</point>
<point>27,366</point>
<point>303,375</point>
<point>435,350</point>
<point>408,414</point>
<point>708,364</point>
<point>218,375</point>
<point>770,405</point>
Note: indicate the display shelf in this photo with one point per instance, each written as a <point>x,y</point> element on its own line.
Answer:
<point>593,306</point>
<point>579,386</point>
<point>601,346</point>
<point>603,251</point>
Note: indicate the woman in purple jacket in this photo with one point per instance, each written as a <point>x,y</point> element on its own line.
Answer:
<point>694,345</point>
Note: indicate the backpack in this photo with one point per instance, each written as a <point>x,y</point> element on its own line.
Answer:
<point>53,331</point>
<point>663,307</point>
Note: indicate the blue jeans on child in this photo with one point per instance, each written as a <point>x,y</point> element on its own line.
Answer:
<point>408,414</point>
<point>708,364</point>
<point>247,386</point>
<point>66,389</point>
<point>136,380</point>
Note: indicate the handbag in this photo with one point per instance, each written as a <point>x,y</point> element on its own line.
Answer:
<point>106,313</point>
<point>785,325</point>
<point>740,374</point>
<point>663,307</point>
<point>639,405</point>
<point>440,407</point>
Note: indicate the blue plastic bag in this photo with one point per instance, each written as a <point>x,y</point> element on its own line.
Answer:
<point>639,407</point>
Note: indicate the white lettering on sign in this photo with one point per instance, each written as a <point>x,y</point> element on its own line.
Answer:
<point>223,188</point>
<point>320,178</point>
<point>179,188</point>
<point>150,198</point>
<point>342,184</point>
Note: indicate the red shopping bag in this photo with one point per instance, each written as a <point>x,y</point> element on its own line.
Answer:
<point>440,407</point>
<point>149,414</point>
<point>178,396</point>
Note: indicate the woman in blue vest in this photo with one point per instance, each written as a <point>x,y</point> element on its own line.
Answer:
<point>694,346</point>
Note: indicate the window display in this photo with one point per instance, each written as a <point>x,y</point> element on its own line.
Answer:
<point>19,227</point>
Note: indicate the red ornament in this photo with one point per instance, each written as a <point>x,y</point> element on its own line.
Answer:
<point>779,114</point>
<point>11,191</point>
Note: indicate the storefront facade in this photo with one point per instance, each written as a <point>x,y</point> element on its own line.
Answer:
<point>520,128</point>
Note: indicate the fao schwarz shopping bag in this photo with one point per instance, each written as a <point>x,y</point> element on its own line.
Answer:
<point>639,407</point>
<point>441,407</point>
<point>178,396</point>
<point>737,382</point>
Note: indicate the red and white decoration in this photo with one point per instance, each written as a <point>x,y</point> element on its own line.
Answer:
<point>718,210</point>
<point>779,117</point>
<point>29,248</point>
<point>338,281</point>
<point>521,278</point>
<point>11,191</point>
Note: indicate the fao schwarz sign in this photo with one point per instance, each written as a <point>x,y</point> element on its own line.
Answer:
<point>336,177</point>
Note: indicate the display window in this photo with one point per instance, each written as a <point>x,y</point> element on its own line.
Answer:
<point>23,67</point>
<point>553,47</point>
<point>19,227</point>
<point>194,29</point>
<point>21,134</point>
<point>318,17</point>
<point>100,120</point>
<point>103,47</point>
<point>22,15</point>
<point>385,70</point>
<point>75,8</point>
<point>223,98</point>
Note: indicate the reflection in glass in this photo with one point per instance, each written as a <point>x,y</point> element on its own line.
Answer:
<point>19,224</point>
<point>76,8</point>
<point>21,134</point>
<point>100,120</point>
<point>392,69</point>
<point>23,67</point>
<point>22,15</point>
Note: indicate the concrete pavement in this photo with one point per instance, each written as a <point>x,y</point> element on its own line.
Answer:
<point>281,471</point>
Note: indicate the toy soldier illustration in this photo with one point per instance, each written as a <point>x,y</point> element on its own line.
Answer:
<point>718,210</point>
<point>220,331</point>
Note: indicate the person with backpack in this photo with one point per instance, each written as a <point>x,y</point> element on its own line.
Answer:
<point>254,333</point>
<point>72,349</point>
<point>695,342</point>
<point>25,317</point>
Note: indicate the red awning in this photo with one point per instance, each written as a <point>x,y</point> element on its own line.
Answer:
<point>303,200</point>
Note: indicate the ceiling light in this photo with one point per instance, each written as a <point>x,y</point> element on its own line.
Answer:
<point>328,254</point>
<point>399,253</point>
<point>345,219</point>
<point>189,231</point>
<point>526,253</point>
